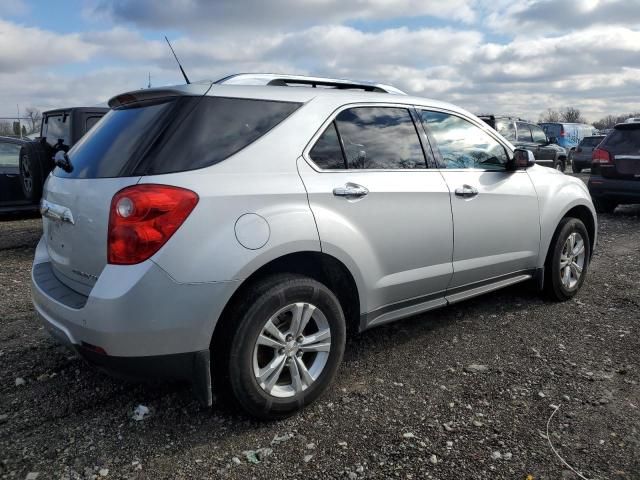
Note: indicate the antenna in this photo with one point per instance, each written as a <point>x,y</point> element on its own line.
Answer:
<point>176,57</point>
<point>149,84</point>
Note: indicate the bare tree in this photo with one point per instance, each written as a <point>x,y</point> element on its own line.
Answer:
<point>571,115</point>
<point>34,116</point>
<point>610,121</point>
<point>550,116</point>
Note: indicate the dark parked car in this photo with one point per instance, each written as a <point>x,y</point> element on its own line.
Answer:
<point>60,130</point>
<point>11,196</point>
<point>581,157</point>
<point>615,171</point>
<point>528,135</point>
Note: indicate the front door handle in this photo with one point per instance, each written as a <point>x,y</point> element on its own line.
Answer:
<point>466,191</point>
<point>350,190</point>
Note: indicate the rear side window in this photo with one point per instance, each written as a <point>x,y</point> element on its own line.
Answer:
<point>380,138</point>
<point>623,141</point>
<point>538,134</point>
<point>507,129</point>
<point>172,135</point>
<point>327,153</point>
<point>524,132</point>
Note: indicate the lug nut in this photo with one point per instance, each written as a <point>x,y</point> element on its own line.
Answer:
<point>289,337</point>
<point>299,353</point>
<point>300,339</point>
<point>281,351</point>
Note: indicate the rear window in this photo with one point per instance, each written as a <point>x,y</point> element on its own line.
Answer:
<point>552,129</point>
<point>591,141</point>
<point>172,135</point>
<point>624,141</point>
<point>57,131</point>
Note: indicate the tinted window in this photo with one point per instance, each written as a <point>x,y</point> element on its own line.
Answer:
<point>57,130</point>
<point>173,135</point>
<point>538,134</point>
<point>507,129</point>
<point>591,141</point>
<point>463,144</point>
<point>326,153</point>
<point>380,138</point>
<point>623,141</point>
<point>552,129</point>
<point>524,132</point>
<point>9,154</point>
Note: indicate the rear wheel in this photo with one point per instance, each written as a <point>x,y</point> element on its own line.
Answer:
<point>567,260</point>
<point>604,206</point>
<point>560,165</point>
<point>286,347</point>
<point>575,168</point>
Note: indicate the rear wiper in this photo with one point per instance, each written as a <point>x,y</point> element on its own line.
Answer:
<point>61,159</point>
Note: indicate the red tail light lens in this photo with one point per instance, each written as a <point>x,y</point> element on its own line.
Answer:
<point>142,218</point>
<point>601,156</point>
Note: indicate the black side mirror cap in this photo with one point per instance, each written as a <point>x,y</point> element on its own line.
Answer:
<point>522,159</point>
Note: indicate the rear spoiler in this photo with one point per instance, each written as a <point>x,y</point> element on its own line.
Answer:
<point>142,95</point>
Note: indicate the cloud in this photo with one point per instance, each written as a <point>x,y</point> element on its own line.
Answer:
<point>257,15</point>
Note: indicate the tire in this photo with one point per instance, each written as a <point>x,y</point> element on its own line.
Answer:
<point>35,165</point>
<point>574,168</point>
<point>558,285</point>
<point>560,165</point>
<point>604,206</point>
<point>274,299</point>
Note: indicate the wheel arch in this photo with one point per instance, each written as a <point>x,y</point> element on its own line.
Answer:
<point>317,265</point>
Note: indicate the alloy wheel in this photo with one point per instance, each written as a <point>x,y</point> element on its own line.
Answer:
<point>292,350</point>
<point>572,260</point>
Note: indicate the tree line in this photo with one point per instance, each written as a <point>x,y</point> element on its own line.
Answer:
<point>573,115</point>
<point>29,124</point>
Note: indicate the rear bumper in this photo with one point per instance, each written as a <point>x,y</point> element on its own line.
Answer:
<point>620,191</point>
<point>136,321</point>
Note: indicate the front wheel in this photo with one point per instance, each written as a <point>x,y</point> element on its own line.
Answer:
<point>287,346</point>
<point>560,165</point>
<point>568,259</point>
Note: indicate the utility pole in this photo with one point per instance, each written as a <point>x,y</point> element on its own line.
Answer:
<point>19,124</point>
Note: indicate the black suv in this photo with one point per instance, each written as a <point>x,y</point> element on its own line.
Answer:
<point>615,171</point>
<point>60,130</point>
<point>528,135</point>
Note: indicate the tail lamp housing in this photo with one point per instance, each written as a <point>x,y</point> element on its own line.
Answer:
<point>143,217</point>
<point>601,156</point>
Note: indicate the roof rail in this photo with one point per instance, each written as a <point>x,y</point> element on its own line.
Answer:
<point>298,80</point>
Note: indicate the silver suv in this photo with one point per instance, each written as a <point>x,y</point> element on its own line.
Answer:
<point>235,232</point>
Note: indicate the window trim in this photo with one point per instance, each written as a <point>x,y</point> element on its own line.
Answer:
<point>480,124</point>
<point>428,154</point>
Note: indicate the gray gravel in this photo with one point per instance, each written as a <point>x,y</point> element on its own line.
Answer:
<point>463,392</point>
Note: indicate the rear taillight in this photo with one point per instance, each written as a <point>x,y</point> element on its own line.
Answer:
<point>562,132</point>
<point>142,218</point>
<point>601,156</point>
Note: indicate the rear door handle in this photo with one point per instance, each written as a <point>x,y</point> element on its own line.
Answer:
<point>466,191</point>
<point>351,190</point>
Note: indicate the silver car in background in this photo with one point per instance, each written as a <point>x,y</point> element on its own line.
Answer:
<point>234,231</point>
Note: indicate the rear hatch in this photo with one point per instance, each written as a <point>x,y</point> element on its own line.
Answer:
<point>149,132</point>
<point>623,147</point>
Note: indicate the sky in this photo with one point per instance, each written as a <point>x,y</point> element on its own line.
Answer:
<point>505,57</point>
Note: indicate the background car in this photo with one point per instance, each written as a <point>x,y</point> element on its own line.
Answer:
<point>581,157</point>
<point>60,130</point>
<point>11,196</point>
<point>615,171</point>
<point>567,135</point>
<point>528,135</point>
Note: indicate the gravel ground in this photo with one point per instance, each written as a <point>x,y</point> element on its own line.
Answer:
<point>463,392</point>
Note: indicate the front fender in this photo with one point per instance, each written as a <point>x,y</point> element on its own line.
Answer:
<point>557,195</point>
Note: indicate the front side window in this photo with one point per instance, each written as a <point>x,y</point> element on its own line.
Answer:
<point>9,154</point>
<point>463,144</point>
<point>524,132</point>
<point>380,138</point>
<point>538,135</point>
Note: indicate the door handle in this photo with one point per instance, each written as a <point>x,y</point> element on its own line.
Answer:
<point>350,190</point>
<point>466,191</point>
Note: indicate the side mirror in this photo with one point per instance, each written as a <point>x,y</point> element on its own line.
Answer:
<point>553,140</point>
<point>522,159</point>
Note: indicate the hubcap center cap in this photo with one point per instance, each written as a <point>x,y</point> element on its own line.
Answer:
<point>291,348</point>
